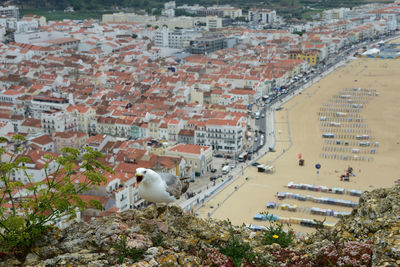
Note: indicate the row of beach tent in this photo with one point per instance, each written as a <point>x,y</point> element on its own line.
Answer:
<point>322,200</point>
<point>313,210</point>
<point>291,220</point>
<point>322,188</point>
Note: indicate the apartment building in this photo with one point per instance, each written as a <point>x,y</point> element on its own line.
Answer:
<point>221,134</point>
<point>197,157</point>
<point>9,12</point>
<point>57,121</point>
<point>207,44</point>
<point>177,39</point>
<point>41,103</point>
<point>262,16</point>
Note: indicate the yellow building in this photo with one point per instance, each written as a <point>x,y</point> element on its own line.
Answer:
<point>311,56</point>
<point>197,157</point>
<point>196,96</point>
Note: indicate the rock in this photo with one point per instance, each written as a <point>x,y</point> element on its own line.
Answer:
<point>187,241</point>
<point>10,262</point>
<point>31,259</point>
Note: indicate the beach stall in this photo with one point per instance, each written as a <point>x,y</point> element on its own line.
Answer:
<point>281,195</point>
<point>271,205</point>
<point>318,211</point>
<point>292,208</point>
<point>285,206</point>
<point>260,217</point>
<point>283,219</point>
<point>261,168</point>
<point>295,220</point>
<point>337,190</point>
<point>263,217</point>
<point>354,192</point>
<point>329,225</point>
<point>341,213</point>
<point>328,135</point>
<point>256,228</point>
<point>308,223</point>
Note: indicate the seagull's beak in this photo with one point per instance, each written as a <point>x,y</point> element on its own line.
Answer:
<point>139,179</point>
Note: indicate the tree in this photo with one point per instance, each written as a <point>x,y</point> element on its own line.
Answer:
<point>134,35</point>
<point>25,218</point>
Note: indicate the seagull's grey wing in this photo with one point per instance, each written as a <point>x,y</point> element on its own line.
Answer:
<point>174,185</point>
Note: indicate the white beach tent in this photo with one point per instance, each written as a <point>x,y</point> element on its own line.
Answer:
<point>371,51</point>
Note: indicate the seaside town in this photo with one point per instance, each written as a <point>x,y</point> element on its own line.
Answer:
<point>201,97</point>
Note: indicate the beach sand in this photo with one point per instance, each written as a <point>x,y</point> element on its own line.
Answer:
<point>382,115</point>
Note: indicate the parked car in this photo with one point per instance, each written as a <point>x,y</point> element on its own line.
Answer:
<point>255,164</point>
<point>213,170</point>
<point>218,156</point>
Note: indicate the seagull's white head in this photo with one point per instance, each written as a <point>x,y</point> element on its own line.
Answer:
<point>146,176</point>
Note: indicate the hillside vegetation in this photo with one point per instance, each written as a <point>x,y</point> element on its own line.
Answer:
<point>166,236</point>
<point>94,8</point>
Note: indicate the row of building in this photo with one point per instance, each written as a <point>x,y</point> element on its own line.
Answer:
<point>112,87</point>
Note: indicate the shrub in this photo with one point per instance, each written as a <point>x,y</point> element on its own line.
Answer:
<point>158,240</point>
<point>124,251</point>
<point>40,204</point>
<point>237,250</point>
<point>350,253</point>
<point>276,234</point>
<point>290,258</point>
<point>213,258</point>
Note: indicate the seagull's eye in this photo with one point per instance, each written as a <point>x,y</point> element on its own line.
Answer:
<point>144,172</point>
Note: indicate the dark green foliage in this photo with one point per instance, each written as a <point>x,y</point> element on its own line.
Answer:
<point>158,240</point>
<point>237,250</point>
<point>276,234</point>
<point>56,197</point>
<point>123,251</point>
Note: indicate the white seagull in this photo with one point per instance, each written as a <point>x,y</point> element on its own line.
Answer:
<point>159,187</point>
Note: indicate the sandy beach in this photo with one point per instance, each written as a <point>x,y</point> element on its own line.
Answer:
<point>299,122</point>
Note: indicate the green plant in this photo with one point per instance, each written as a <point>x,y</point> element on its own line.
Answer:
<point>28,210</point>
<point>158,240</point>
<point>237,250</point>
<point>276,234</point>
<point>124,251</point>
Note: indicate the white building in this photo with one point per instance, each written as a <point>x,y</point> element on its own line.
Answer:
<point>170,5</point>
<point>223,135</point>
<point>9,12</point>
<point>57,121</point>
<point>337,13</point>
<point>262,16</point>
<point>177,39</point>
<point>34,169</point>
<point>26,26</point>
<point>232,12</point>
<point>36,36</point>
<point>214,22</point>
<point>39,104</point>
<point>168,12</point>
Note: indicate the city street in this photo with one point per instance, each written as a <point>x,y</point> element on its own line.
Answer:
<point>207,189</point>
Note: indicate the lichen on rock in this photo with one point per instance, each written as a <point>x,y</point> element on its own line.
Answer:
<point>166,236</point>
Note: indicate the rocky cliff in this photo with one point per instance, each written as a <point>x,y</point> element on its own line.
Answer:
<point>167,237</point>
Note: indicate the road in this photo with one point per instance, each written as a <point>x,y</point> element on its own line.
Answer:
<point>266,124</point>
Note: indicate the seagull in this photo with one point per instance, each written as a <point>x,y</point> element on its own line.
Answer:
<point>159,187</point>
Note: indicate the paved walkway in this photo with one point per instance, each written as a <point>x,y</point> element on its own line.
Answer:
<point>211,190</point>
